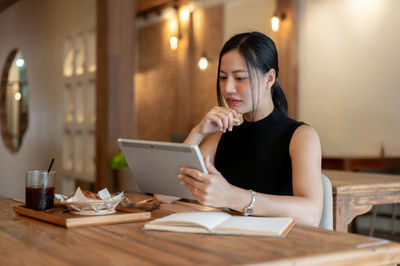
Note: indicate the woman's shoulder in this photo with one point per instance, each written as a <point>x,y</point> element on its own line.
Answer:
<point>304,136</point>
<point>305,131</point>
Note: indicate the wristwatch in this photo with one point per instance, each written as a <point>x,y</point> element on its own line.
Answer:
<point>249,209</point>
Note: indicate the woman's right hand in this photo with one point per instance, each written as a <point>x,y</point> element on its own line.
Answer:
<point>218,119</point>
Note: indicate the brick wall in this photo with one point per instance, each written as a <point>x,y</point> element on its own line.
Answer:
<point>155,82</point>
<point>159,76</point>
<point>208,34</point>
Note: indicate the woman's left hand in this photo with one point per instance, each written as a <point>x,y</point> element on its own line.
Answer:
<point>210,189</point>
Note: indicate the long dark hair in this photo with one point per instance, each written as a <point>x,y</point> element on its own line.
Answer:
<point>259,52</point>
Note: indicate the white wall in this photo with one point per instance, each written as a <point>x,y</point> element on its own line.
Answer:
<point>249,15</point>
<point>38,29</point>
<point>349,85</point>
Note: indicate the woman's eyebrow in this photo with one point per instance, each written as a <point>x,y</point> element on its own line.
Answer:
<point>239,71</point>
<point>235,71</point>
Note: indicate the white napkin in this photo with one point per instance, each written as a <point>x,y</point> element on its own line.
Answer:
<point>103,194</point>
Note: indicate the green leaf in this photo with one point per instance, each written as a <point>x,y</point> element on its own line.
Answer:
<point>117,162</point>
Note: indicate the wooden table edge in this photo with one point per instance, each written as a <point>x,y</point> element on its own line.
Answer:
<point>362,256</point>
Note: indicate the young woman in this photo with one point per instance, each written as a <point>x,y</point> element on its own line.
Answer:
<point>269,165</point>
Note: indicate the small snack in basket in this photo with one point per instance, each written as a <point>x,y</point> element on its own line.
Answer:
<point>89,203</point>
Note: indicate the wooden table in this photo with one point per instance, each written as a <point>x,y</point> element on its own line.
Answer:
<point>24,241</point>
<point>355,193</point>
<point>388,164</point>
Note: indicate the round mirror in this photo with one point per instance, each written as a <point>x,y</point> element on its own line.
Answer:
<point>13,101</point>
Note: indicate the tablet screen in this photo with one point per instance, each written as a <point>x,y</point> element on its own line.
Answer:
<point>155,165</point>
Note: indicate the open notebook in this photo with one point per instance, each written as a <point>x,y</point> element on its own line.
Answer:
<point>222,223</point>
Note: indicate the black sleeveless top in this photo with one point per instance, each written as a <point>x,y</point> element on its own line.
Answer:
<point>255,155</point>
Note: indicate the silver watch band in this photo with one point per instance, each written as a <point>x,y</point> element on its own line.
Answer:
<point>249,209</point>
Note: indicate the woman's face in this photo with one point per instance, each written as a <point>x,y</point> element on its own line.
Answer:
<point>234,83</point>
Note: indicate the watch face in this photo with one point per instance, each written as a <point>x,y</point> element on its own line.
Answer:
<point>248,211</point>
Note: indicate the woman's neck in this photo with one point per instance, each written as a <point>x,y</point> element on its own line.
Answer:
<point>259,114</point>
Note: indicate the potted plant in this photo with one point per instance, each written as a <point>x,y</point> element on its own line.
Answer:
<point>117,162</point>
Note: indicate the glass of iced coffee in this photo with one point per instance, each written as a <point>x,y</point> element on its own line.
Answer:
<point>39,191</point>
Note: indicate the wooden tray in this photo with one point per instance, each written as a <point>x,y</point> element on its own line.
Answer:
<point>69,220</point>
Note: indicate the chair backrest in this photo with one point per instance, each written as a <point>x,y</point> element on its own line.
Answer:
<point>327,211</point>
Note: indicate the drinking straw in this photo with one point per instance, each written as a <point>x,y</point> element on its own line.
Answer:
<point>44,185</point>
<point>51,164</point>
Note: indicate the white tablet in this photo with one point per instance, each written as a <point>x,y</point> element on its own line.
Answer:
<point>155,165</point>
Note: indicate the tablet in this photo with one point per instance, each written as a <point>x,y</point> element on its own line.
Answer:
<point>155,165</point>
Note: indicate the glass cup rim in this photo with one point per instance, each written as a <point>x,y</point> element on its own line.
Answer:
<point>40,172</point>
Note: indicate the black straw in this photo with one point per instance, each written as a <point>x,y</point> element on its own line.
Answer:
<point>51,164</point>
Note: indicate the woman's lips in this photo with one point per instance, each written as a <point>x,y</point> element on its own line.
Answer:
<point>232,101</point>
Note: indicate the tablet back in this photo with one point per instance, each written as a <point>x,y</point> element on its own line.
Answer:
<point>155,165</point>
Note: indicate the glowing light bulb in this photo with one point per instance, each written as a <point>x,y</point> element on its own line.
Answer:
<point>275,23</point>
<point>184,14</point>
<point>17,96</point>
<point>173,42</point>
<point>203,63</point>
<point>19,62</point>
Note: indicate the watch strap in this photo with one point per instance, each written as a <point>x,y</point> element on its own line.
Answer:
<point>249,209</point>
